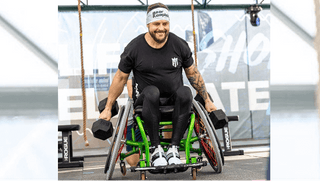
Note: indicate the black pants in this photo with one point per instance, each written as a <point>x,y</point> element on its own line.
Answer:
<point>150,99</point>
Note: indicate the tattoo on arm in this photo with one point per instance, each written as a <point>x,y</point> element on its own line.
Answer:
<point>196,81</point>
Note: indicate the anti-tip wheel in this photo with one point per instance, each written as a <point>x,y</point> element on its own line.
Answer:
<point>142,175</point>
<point>194,174</point>
<point>123,168</point>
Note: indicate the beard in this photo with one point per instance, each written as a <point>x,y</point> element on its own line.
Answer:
<point>153,35</point>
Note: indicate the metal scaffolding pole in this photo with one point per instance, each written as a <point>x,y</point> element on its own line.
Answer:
<point>29,44</point>
<point>171,7</point>
<point>292,25</point>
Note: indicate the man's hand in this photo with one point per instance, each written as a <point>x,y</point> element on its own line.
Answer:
<point>116,88</point>
<point>210,106</point>
<point>105,114</point>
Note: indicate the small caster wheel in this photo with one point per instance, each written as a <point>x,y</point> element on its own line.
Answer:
<point>199,159</point>
<point>194,174</point>
<point>123,168</point>
<point>143,175</point>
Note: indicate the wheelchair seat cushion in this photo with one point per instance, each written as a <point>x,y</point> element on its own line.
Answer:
<point>163,109</point>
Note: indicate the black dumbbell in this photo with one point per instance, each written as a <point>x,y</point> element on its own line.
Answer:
<point>218,117</point>
<point>103,129</point>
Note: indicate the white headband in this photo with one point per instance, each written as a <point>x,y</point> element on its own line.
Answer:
<point>158,14</point>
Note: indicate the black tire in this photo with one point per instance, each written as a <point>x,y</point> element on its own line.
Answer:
<point>208,140</point>
<point>120,134</point>
<point>106,168</point>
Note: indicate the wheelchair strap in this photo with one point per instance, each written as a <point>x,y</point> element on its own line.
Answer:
<point>157,155</point>
<point>170,155</point>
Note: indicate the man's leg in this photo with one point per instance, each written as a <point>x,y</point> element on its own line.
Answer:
<point>150,98</point>
<point>181,114</point>
<point>133,160</point>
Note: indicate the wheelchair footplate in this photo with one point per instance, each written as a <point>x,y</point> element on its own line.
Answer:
<point>169,168</point>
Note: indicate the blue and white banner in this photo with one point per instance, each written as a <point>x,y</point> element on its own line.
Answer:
<point>205,30</point>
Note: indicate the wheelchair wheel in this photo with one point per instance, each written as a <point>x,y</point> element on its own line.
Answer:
<point>123,168</point>
<point>208,141</point>
<point>116,130</point>
<point>214,132</point>
<point>120,134</point>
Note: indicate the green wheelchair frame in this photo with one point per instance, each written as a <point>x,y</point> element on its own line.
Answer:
<point>198,123</point>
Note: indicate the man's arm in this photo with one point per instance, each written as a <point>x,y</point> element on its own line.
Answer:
<point>115,90</point>
<point>198,84</point>
<point>129,87</point>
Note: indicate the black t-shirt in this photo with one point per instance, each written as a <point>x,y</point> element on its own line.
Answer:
<point>159,67</point>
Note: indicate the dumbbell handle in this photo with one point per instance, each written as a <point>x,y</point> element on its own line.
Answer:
<point>233,118</point>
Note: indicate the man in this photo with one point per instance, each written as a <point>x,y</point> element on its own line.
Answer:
<point>156,59</point>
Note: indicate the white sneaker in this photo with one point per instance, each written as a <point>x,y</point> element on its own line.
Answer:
<point>173,156</point>
<point>158,157</point>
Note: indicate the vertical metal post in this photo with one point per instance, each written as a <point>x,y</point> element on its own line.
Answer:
<point>226,138</point>
<point>66,150</point>
<point>248,67</point>
<point>70,146</point>
<point>317,48</point>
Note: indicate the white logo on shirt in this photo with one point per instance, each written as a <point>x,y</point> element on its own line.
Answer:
<point>137,92</point>
<point>175,62</point>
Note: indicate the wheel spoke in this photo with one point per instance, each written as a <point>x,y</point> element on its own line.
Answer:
<point>205,140</point>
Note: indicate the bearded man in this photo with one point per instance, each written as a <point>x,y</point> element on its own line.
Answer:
<point>157,59</point>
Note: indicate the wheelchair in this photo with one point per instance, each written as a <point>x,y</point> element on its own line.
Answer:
<point>200,130</point>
